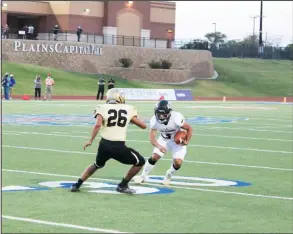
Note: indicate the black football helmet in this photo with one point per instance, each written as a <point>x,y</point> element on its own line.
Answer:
<point>163,111</point>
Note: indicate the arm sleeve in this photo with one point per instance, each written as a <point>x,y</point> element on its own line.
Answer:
<point>179,120</point>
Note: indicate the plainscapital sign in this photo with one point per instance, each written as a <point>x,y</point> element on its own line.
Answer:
<point>58,47</point>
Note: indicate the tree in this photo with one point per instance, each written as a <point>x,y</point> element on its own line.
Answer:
<point>196,45</point>
<point>216,37</point>
<point>250,40</point>
<point>230,44</point>
<point>289,51</point>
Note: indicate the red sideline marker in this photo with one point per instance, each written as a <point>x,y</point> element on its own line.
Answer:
<point>25,97</point>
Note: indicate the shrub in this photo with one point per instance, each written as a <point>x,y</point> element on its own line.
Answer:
<point>126,62</point>
<point>162,64</point>
<point>165,64</point>
<point>155,65</point>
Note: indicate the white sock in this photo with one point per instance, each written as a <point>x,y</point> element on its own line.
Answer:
<point>147,169</point>
<point>172,170</point>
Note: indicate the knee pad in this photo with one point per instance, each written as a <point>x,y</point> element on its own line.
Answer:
<point>141,161</point>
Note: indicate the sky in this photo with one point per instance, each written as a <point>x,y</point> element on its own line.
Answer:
<point>195,18</point>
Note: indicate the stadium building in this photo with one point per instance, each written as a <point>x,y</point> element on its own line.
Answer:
<point>139,19</point>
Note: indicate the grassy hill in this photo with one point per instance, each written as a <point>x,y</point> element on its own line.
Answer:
<point>238,77</point>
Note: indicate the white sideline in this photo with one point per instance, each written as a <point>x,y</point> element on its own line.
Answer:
<point>164,159</point>
<point>159,185</point>
<point>66,225</point>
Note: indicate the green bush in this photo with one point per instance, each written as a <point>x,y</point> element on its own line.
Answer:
<point>162,64</point>
<point>165,64</point>
<point>155,65</point>
<point>126,62</point>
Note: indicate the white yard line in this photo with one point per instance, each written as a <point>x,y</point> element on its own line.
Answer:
<point>6,132</point>
<point>263,115</point>
<point>159,185</point>
<point>191,145</point>
<point>263,125</point>
<point>66,225</point>
<point>251,118</point>
<point>243,129</point>
<point>164,159</point>
<point>14,134</point>
<point>247,122</point>
<point>198,126</point>
<point>213,135</point>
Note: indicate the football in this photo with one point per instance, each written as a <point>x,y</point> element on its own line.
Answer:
<point>180,137</point>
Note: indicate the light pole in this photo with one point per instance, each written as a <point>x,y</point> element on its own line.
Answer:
<point>215,39</point>
<point>215,27</point>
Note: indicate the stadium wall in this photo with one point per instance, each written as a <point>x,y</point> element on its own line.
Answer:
<point>103,59</point>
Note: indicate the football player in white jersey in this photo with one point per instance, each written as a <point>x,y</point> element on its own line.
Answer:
<point>113,119</point>
<point>168,123</point>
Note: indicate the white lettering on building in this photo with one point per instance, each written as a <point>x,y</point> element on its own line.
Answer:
<point>59,48</point>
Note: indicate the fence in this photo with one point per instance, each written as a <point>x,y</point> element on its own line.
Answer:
<point>221,51</point>
<point>251,51</point>
<point>99,39</point>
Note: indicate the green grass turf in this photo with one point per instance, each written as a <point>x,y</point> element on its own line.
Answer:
<point>238,77</point>
<point>260,157</point>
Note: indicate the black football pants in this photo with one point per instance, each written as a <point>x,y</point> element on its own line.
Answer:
<point>100,93</point>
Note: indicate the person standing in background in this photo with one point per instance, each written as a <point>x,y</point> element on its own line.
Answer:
<point>111,83</point>
<point>78,33</point>
<point>5,84</point>
<point>31,32</point>
<point>38,86</point>
<point>49,85</point>
<point>6,31</point>
<point>25,28</point>
<point>101,88</point>
<point>11,85</point>
<point>55,32</point>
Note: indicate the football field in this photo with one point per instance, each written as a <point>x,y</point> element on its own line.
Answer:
<point>236,177</point>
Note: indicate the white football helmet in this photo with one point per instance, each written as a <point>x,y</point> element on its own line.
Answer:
<point>115,96</point>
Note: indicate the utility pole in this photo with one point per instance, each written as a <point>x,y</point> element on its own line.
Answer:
<point>260,41</point>
<point>253,30</point>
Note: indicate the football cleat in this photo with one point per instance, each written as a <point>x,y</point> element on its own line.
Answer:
<point>167,179</point>
<point>74,188</point>
<point>139,179</point>
<point>125,189</point>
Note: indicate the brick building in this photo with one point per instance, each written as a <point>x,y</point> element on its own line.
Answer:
<point>140,19</point>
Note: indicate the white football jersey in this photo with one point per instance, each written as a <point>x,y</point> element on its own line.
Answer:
<point>174,125</point>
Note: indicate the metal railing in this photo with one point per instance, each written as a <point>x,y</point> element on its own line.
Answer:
<point>98,39</point>
<point>221,51</point>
